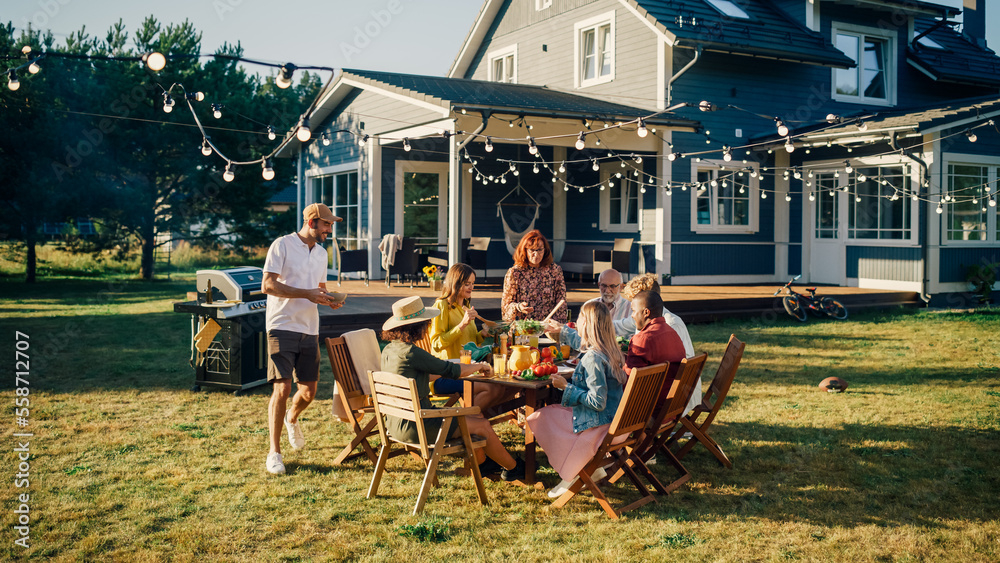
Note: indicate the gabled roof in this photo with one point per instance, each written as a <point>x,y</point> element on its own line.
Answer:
<point>960,61</point>
<point>905,121</point>
<point>450,95</point>
<point>769,32</point>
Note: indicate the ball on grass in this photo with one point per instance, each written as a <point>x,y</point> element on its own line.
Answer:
<point>833,385</point>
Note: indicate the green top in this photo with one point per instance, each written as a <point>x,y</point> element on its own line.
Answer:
<point>418,364</point>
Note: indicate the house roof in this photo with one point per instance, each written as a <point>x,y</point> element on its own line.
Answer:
<point>454,94</point>
<point>905,121</point>
<point>909,7</point>
<point>287,195</point>
<point>769,32</point>
<point>960,61</point>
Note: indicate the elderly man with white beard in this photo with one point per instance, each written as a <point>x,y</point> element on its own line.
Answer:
<point>610,284</point>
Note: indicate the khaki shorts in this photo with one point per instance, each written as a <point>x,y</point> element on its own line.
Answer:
<point>293,355</point>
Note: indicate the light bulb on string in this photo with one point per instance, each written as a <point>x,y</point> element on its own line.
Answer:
<point>797,174</point>
<point>267,172</point>
<point>847,166</point>
<point>580,142</point>
<point>154,60</point>
<point>727,153</point>
<point>971,135</point>
<point>562,167</point>
<point>789,146</point>
<point>535,168</point>
<point>196,96</point>
<point>503,179</point>
<point>788,197</point>
<point>597,141</point>
<point>782,128</point>
<point>512,167</point>
<point>228,175</point>
<point>325,139</point>
<point>217,111</point>
<point>642,190</point>
<point>406,145</point>
<point>812,196</point>
<point>862,126</point>
<point>566,187</point>
<point>303,133</point>
<point>939,209</point>
<point>638,159</point>
<point>641,130</point>
<point>862,178</point>
<point>581,189</point>
<point>489,145</point>
<point>742,190</point>
<point>284,78</point>
<point>532,148</point>
<point>993,202</point>
<point>670,192</point>
<point>363,140</point>
<point>206,149</point>
<point>33,68</point>
<point>168,103</point>
<point>596,166</point>
<point>270,133</point>
<point>12,82</point>
<point>673,156</point>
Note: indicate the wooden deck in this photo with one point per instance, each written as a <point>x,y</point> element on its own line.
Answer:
<point>369,306</point>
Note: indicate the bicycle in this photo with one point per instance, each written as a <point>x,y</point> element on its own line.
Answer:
<point>800,306</point>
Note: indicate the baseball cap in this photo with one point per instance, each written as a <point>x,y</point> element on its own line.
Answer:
<point>319,211</point>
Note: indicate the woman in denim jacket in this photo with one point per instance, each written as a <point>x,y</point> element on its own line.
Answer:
<point>571,432</point>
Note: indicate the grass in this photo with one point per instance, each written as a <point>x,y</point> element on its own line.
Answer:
<point>128,464</point>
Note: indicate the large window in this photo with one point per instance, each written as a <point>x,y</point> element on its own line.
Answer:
<point>724,199</point>
<point>873,80</point>
<point>880,206</point>
<point>342,193</point>
<point>503,65</point>
<point>969,215</point>
<point>621,199</point>
<point>595,48</point>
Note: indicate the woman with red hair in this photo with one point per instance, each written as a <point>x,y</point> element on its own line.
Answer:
<point>534,285</point>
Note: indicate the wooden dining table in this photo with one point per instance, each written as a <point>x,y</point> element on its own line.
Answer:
<point>532,396</point>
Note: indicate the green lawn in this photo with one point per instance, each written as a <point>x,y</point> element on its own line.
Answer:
<point>128,464</point>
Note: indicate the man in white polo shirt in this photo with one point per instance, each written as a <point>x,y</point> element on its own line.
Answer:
<point>295,282</point>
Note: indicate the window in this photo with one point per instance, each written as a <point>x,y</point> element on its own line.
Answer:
<point>728,8</point>
<point>723,199</point>
<point>621,199</point>
<point>595,48</point>
<point>873,79</point>
<point>542,4</point>
<point>880,207</point>
<point>341,193</point>
<point>503,65</point>
<point>970,217</point>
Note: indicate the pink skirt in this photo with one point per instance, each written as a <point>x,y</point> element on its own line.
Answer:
<point>568,452</point>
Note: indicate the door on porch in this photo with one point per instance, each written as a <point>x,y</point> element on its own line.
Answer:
<point>421,201</point>
<point>828,232</point>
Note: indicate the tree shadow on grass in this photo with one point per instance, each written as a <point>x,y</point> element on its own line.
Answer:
<point>851,475</point>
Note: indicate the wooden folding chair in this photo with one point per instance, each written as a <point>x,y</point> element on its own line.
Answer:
<point>710,405</point>
<point>626,429</point>
<point>354,400</point>
<point>663,420</point>
<point>425,344</point>
<point>397,396</point>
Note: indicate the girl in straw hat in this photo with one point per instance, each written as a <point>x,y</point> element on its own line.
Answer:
<point>409,323</point>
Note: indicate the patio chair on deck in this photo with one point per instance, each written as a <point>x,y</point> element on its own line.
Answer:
<point>710,405</point>
<point>626,430</point>
<point>397,396</point>
<point>664,418</point>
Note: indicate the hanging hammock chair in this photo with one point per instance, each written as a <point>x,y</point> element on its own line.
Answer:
<point>511,237</point>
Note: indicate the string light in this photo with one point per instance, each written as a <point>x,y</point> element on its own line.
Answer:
<point>847,167</point>
<point>228,175</point>
<point>532,148</point>
<point>971,135</point>
<point>833,118</point>
<point>788,197</point>
<point>705,105</point>
<point>168,103</point>
<point>862,178</point>
<point>206,149</point>
<point>673,156</point>
<point>562,167</point>
<point>325,139</point>
<point>270,133</point>
<point>155,61</point>
<point>642,131</point>
<point>267,173</point>
<point>535,168</point>
<point>489,145</point>
<point>12,82</point>
<point>303,133</point>
<point>789,147</point>
<point>638,159</point>
<point>939,209</point>
<point>812,196</point>
<point>217,111</point>
<point>596,166</point>
<point>284,78</point>
<point>406,145</point>
<point>727,153</point>
<point>862,126</point>
<point>993,202</point>
<point>33,68</point>
<point>196,96</point>
<point>363,140</point>
<point>782,128</point>
<point>580,142</point>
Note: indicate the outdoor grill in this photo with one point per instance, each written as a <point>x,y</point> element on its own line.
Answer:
<point>235,357</point>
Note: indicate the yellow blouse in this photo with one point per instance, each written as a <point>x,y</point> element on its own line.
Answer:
<point>446,338</point>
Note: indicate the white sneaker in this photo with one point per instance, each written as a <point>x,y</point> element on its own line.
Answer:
<point>564,485</point>
<point>274,464</point>
<point>295,437</point>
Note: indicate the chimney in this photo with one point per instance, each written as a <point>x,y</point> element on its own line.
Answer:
<point>974,21</point>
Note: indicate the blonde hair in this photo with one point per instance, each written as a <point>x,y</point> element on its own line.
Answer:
<point>645,282</point>
<point>598,333</point>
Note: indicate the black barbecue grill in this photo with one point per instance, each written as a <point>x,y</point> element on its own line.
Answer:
<point>236,356</point>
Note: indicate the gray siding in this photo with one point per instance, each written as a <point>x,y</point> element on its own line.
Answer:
<point>884,263</point>
<point>722,259</point>
<point>519,23</point>
<point>382,114</point>
<point>955,261</point>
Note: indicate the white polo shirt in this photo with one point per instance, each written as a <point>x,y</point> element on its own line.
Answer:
<point>622,309</point>
<point>300,267</point>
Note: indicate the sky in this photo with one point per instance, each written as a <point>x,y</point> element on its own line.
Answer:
<point>413,36</point>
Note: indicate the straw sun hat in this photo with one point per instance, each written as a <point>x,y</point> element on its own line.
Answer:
<point>409,310</point>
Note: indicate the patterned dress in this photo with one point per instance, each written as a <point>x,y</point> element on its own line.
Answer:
<point>541,288</point>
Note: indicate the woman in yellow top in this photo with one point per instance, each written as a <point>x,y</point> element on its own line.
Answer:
<point>456,325</point>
